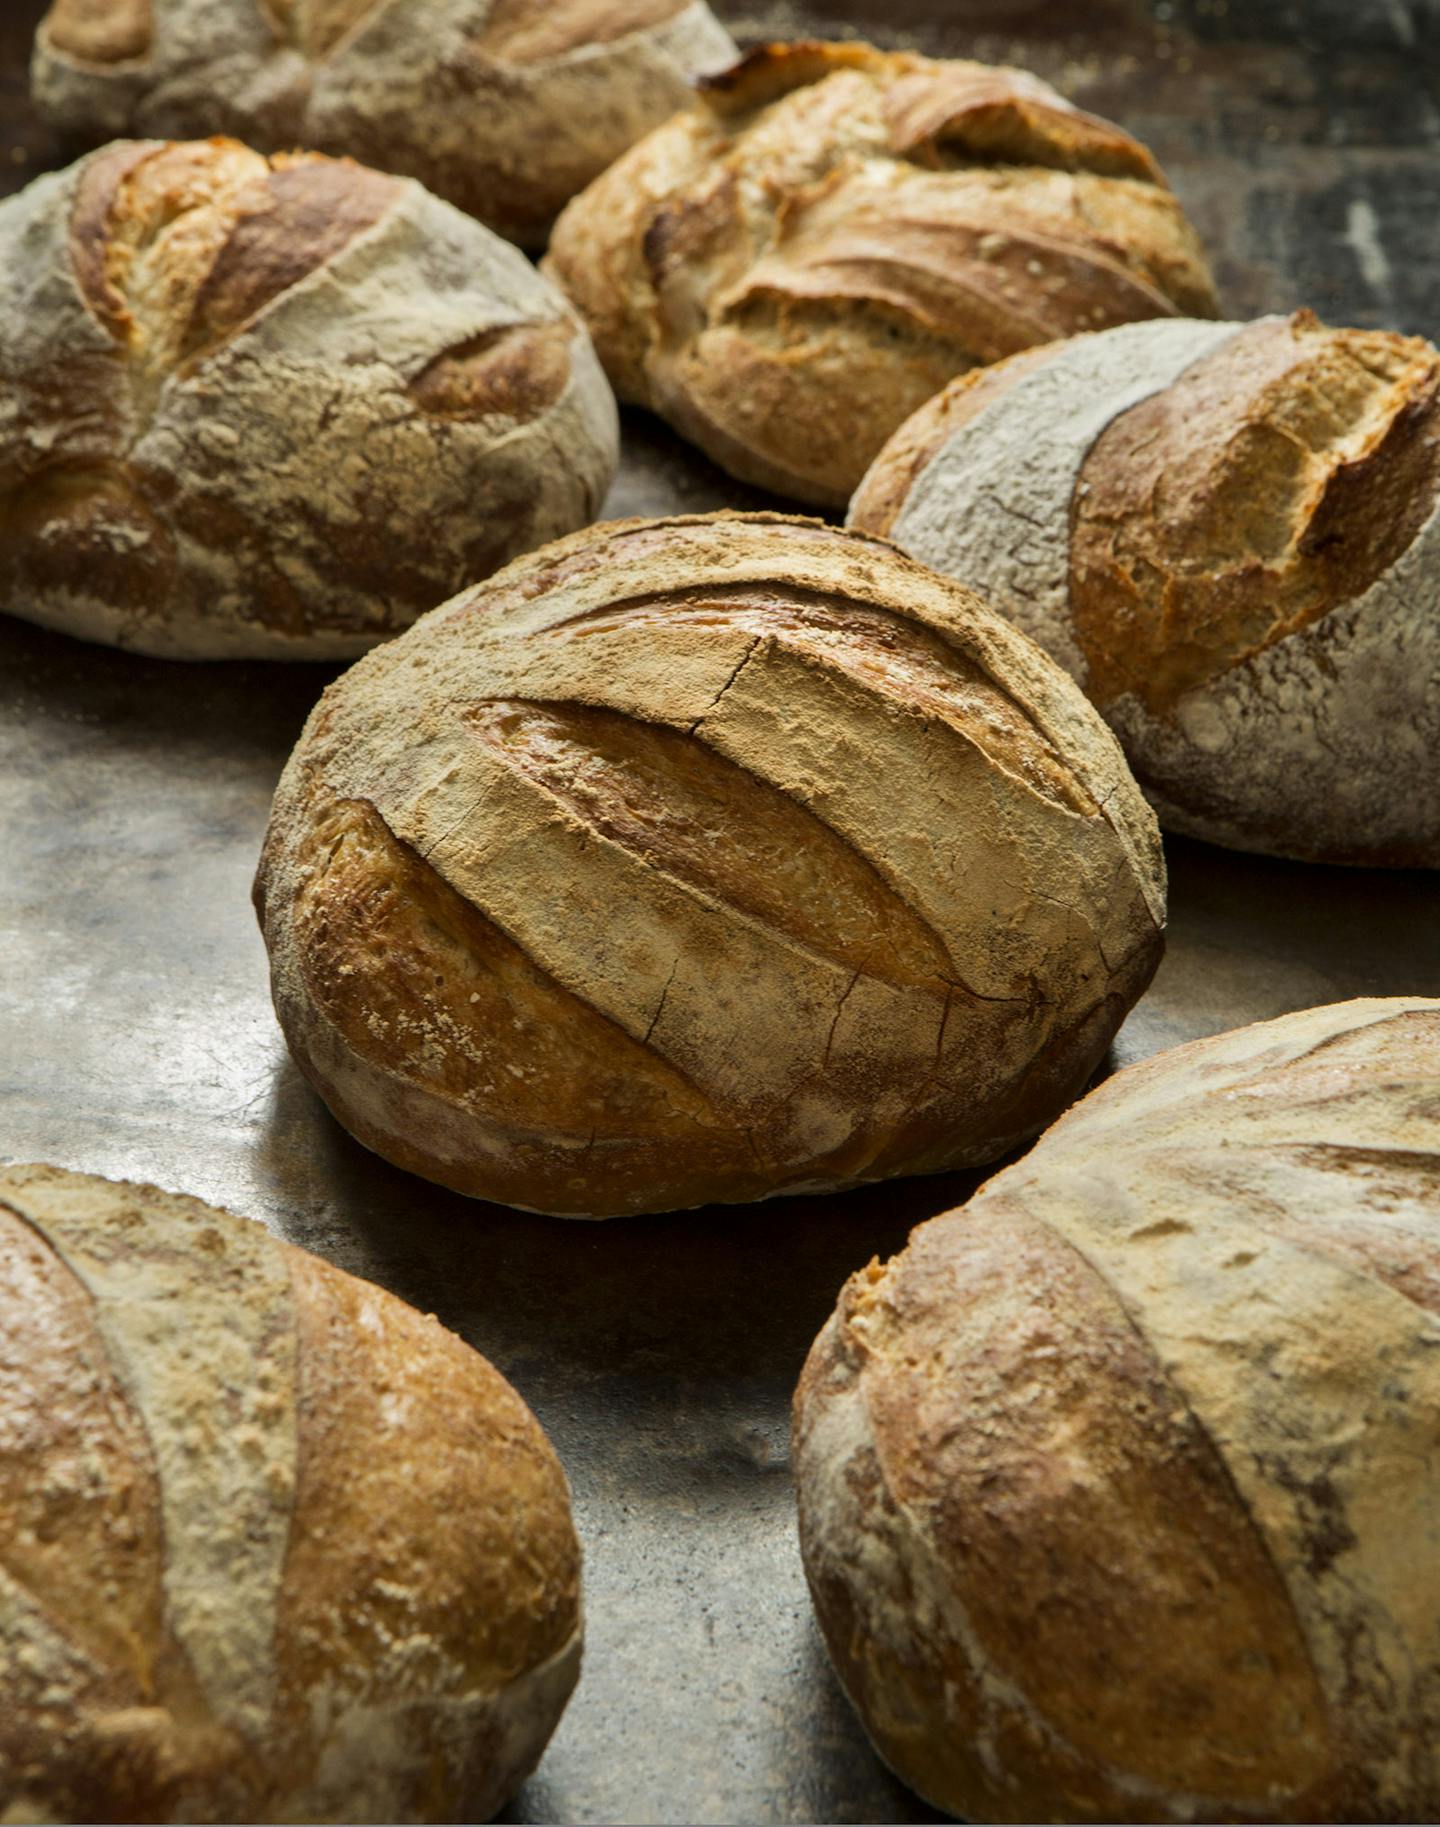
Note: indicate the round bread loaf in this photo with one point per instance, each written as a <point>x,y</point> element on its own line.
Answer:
<point>274,408</point>
<point>276,1547</point>
<point>1119,1488</point>
<point>504,107</point>
<point>831,232</point>
<point>700,860</point>
<point>1229,535</point>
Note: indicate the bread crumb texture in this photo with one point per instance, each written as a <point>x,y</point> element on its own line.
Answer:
<point>274,408</point>
<point>1229,534</point>
<point>277,1548</point>
<point>700,860</point>
<point>830,233</point>
<point>1119,1492</point>
<point>505,108</point>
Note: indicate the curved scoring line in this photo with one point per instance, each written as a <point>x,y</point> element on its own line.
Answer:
<point>1410,1012</point>
<point>1064,248</point>
<point>713,897</point>
<point>994,1683</point>
<point>976,283</point>
<point>1166,1381</point>
<point>689,606</point>
<point>226,1631</point>
<point>65,1625</point>
<point>1315,1236</point>
<point>422,858</point>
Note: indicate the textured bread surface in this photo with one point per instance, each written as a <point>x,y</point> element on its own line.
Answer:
<point>505,108</point>
<point>277,1548</point>
<point>274,407</point>
<point>1229,535</point>
<point>702,860</point>
<point>1119,1487</point>
<point>830,233</point>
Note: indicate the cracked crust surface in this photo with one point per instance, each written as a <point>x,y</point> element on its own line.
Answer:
<point>277,1547</point>
<point>1232,541</point>
<point>505,108</point>
<point>1117,1487</point>
<point>830,233</point>
<point>274,408</point>
<point>702,860</point>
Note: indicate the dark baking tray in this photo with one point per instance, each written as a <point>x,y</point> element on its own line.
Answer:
<point>136,1036</point>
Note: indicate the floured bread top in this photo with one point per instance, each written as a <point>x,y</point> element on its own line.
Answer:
<point>831,233</point>
<point>1230,535</point>
<point>504,107</point>
<point>1177,1373</point>
<point>274,406</point>
<point>262,1558</point>
<point>704,859</point>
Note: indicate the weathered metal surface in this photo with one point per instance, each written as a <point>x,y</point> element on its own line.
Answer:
<point>136,1036</point>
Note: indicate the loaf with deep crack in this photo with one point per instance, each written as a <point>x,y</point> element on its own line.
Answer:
<point>277,1548</point>
<point>1118,1488</point>
<point>701,860</point>
<point>505,108</point>
<point>274,408</point>
<point>1229,535</point>
<point>830,233</point>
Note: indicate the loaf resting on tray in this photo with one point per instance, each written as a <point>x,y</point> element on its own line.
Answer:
<point>700,860</point>
<point>830,233</point>
<point>274,408</point>
<point>506,108</point>
<point>1229,535</point>
<point>276,1547</point>
<point>1119,1487</point>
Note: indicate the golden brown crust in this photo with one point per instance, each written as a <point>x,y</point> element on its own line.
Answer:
<point>177,246</point>
<point>113,1526</point>
<point>90,520</point>
<point>102,181</point>
<point>668,913</point>
<point>1227,533</point>
<point>833,232</point>
<point>442,969</point>
<point>431,1541</point>
<point>1274,482</point>
<point>1167,1571</point>
<point>973,114</point>
<point>517,373</point>
<point>1087,1473</point>
<point>297,218</point>
<point>505,108</point>
<point>274,407</point>
<point>62,1410</point>
<point>397,1627</point>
